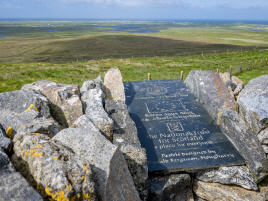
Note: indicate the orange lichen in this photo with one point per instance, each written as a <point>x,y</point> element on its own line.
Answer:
<point>33,153</point>
<point>9,132</point>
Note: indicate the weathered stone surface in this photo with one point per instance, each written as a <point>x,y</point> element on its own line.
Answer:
<point>66,106</point>
<point>238,85</point>
<point>226,78</point>
<point>238,175</point>
<point>175,187</point>
<point>246,142</point>
<point>265,148</point>
<point>253,103</point>
<point>219,192</point>
<point>12,185</point>
<point>126,137</point>
<point>211,91</point>
<point>28,121</point>
<point>108,164</point>
<point>52,168</point>
<point>5,142</point>
<point>113,85</point>
<point>84,122</point>
<point>21,100</point>
<point>124,128</point>
<point>263,136</point>
<point>91,84</point>
<point>94,110</point>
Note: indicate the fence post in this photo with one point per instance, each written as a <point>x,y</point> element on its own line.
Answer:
<point>181,76</point>
<point>240,67</point>
<point>249,63</point>
<point>149,76</point>
<point>230,69</point>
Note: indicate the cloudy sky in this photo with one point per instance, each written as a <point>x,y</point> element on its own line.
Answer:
<point>136,9</point>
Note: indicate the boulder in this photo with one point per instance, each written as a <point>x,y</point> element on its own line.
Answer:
<point>28,121</point>
<point>246,142</point>
<point>253,103</point>
<point>66,106</point>
<point>24,100</point>
<point>126,137</point>
<point>113,85</point>
<point>94,110</point>
<point>219,192</point>
<point>5,142</point>
<point>52,168</point>
<point>91,84</point>
<point>238,85</point>
<point>84,122</point>
<point>211,91</point>
<point>263,136</point>
<point>174,187</point>
<point>12,184</point>
<point>108,164</point>
<point>237,175</point>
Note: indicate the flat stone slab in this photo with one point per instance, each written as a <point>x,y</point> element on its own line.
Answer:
<point>175,129</point>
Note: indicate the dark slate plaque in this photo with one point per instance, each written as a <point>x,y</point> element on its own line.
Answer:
<point>175,129</point>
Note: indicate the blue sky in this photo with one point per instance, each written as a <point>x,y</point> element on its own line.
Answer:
<point>136,9</point>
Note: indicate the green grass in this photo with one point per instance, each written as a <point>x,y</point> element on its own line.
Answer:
<point>14,76</point>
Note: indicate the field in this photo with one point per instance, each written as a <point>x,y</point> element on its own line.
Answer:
<point>74,51</point>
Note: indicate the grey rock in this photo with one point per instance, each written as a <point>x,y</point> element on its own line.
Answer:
<point>52,168</point>
<point>108,164</point>
<point>263,136</point>
<point>253,103</point>
<point>239,85</point>
<point>265,148</point>
<point>12,185</point>
<point>211,91</point>
<point>23,100</point>
<point>175,187</point>
<point>84,122</point>
<point>5,142</point>
<point>28,121</point>
<point>220,192</point>
<point>66,106</point>
<point>94,110</point>
<point>113,85</point>
<point>91,84</point>
<point>237,175</point>
<point>246,142</point>
<point>126,137</point>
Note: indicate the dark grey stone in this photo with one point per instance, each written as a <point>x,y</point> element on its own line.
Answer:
<point>211,91</point>
<point>5,142</point>
<point>175,187</point>
<point>21,100</point>
<point>246,142</point>
<point>237,175</point>
<point>263,136</point>
<point>253,103</point>
<point>12,185</point>
<point>91,84</point>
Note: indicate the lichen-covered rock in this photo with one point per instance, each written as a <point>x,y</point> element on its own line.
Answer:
<point>84,122</point>
<point>93,102</point>
<point>52,168</point>
<point>108,164</point>
<point>91,84</point>
<point>220,192</point>
<point>28,121</point>
<point>238,175</point>
<point>253,103</point>
<point>66,106</point>
<point>126,137</point>
<point>5,142</point>
<point>24,100</point>
<point>174,187</point>
<point>263,136</point>
<point>211,91</point>
<point>12,184</point>
<point>238,85</point>
<point>246,142</point>
<point>113,85</point>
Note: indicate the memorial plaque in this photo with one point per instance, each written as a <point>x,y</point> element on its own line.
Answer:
<point>175,129</point>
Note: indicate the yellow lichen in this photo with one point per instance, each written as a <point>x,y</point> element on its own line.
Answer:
<point>84,178</point>
<point>33,153</point>
<point>37,133</point>
<point>86,196</point>
<point>9,132</point>
<point>56,196</point>
<point>31,107</point>
<point>55,158</point>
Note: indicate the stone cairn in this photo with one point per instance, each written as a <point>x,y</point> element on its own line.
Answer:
<point>61,142</point>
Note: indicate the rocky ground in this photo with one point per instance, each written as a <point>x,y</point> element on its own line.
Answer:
<point>62,142</point>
